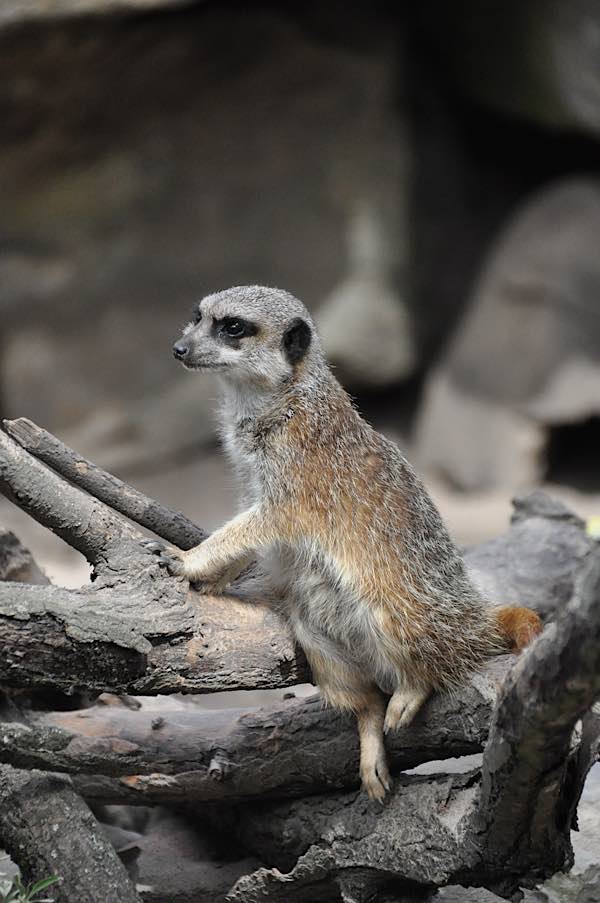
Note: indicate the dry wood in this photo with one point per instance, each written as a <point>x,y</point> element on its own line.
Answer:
<point>154,636</point>
<point>170,525</point>
<point>179,752</point>
<point>141,631</point>
<point>136,629</point>
<point>47,828</point>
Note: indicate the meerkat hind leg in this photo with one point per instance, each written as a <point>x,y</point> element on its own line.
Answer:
<point>403,706</point>
<point>345,688</point>
<point>374,772</point>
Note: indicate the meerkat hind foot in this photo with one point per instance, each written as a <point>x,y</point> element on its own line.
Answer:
<point>376,778</point>
<point>402,708</point>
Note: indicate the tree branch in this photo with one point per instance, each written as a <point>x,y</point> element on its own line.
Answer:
<point>545,694</point>
<point>82,521</point>
<point>170,525</point>
<point>144,640</point>
<point>49,830</point>
<point>179,752</point>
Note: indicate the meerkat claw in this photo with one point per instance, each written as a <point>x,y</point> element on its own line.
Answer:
<point>166,556</point>
<point>377,785</point>
<point>402,708</point>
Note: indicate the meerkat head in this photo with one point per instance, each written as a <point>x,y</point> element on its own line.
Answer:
<point>249,335</point>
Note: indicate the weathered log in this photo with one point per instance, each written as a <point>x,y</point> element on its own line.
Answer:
<point>137,629</point>
<point>170,525</point>
<point>49,830</point>
<point>151,638</point>
<point>182,753</point>
<point>523,810</point>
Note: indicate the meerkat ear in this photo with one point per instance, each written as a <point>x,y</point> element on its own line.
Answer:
<point>296,340</point>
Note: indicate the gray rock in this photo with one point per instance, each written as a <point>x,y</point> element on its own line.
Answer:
<point>17,562</point>
<point>364,322</point>
<point>527,353</point>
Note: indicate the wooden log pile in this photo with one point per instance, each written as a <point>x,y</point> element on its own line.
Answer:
<point>280,783</point>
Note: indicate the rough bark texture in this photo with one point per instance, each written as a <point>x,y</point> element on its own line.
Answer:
<point>523,810</point>
<point>171,525</point>
<point>181,753</point>
<point>48,830</point>
<point>150,639</point>
<point>139,630</point>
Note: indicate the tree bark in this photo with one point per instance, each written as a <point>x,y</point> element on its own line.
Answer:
<point>182,753</point>
<point>157,638</point>
<point>170,525</point>
<point>137,629</point>
<point>47,828</point>
<point>141,631</point>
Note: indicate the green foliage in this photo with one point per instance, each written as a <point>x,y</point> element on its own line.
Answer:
<point>21,893</point>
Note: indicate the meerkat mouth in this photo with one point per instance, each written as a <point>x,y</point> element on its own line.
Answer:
<point>192,366</point>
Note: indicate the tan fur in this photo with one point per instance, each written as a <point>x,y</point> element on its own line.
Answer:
<point>519,626</point>
<point>371,583</point>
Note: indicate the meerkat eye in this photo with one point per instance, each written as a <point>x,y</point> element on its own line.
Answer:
<point>196,314</point>
<point>235,329</point>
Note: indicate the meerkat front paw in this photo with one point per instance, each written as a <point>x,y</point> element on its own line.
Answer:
<point>167,556</point>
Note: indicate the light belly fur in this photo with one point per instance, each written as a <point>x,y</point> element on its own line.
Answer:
<point>332,619</point>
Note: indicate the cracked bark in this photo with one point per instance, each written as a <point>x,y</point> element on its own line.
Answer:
<point>188,754</point>
<point>48,829</point>
<point>138,630</point>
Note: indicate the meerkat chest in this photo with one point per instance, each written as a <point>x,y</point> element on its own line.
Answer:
<point>318,601</point>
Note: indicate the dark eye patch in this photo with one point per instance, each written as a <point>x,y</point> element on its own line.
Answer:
<point>232,329</point>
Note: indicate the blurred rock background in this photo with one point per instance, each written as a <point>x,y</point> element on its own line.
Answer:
<point>426,177</point>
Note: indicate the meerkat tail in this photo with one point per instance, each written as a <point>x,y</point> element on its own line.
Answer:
<point>519,625</point>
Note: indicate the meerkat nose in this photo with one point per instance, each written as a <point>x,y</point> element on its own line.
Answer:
<point>180,350</point>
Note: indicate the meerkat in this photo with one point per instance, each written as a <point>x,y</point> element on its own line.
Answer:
<point>373,587</point>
